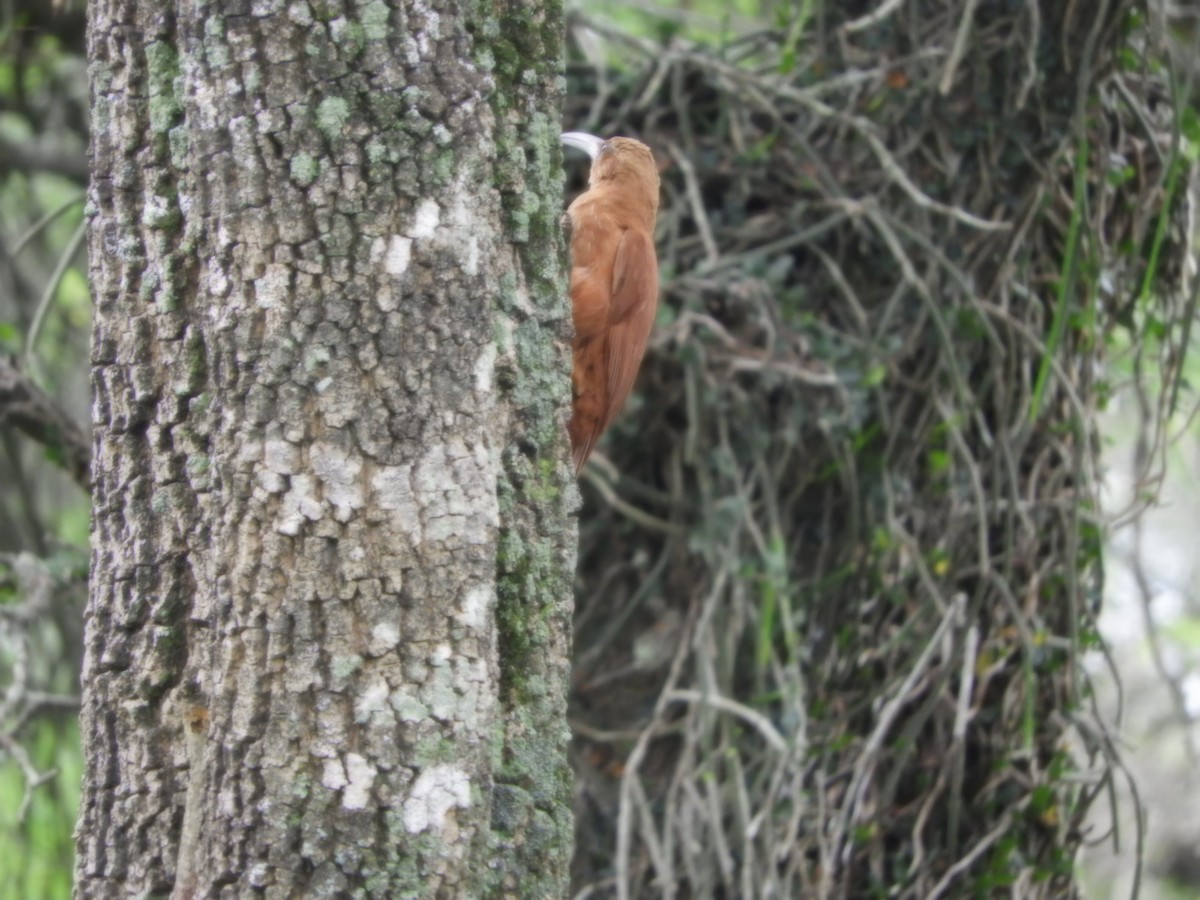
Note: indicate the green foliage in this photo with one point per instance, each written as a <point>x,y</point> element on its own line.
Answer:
<point>43,96</point>
<point>39,853</point>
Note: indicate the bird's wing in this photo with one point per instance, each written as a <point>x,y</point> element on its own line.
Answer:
<point>589,297</point>
<point>631,316</point>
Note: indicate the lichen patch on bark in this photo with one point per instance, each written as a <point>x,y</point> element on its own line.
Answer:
<point>329,409</point>
<point>436,791</point>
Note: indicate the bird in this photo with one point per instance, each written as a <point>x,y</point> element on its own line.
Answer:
<point>614,281</point>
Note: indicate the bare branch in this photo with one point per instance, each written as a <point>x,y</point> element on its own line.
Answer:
<point>27,408</point>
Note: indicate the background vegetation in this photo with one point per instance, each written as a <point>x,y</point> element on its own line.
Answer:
<point>842,555</point>
<point>838,583</point>
<point>44,319</point>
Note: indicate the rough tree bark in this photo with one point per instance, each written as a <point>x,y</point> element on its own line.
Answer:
<point>327,634</point>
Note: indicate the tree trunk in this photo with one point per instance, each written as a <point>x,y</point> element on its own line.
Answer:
<point>327,636</point>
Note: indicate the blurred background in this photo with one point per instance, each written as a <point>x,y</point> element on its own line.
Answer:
<point>44,319</point>
<point>626,57</point>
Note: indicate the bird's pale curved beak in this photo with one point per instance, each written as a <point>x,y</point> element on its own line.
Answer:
<point>581,140</point>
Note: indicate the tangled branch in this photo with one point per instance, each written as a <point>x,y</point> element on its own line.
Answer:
<point>835,601</point>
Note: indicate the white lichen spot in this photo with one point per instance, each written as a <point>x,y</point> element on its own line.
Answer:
<point>215,283</point>
<point>449,494</point>
<point>362,777</point>
<point>354,779</point>
<point>426,222</point>
<point>249,451</point>
<point>271,290</point>
<point>441,693</point>
<point>384,637</point>
<point>158,212</point>
<point>506,329</point>
<point>259,874</point>
<point>376,698</point>
<point>334,776</point>
<point>436,791</point>
<point>299,503</point>
<point>471,263</point>
<point>374,19</point>
<point>464,227</point>
<point>484,366</point>
<point>441,655</point>
<point>271,482</point>
<point>476,605</point>
<point>443,490</point>
<point>430,29</point>
<point>399,255</point>
<point>300,14</point>
<point>408,707</point>
<point>394,493</point>
<point>339,472</point>
<point>459,232</point>
<point>280,456</point>
<point>208,100</point>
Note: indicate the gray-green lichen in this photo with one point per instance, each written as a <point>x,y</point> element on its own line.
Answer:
<point>162,65</point>
<point>332,114</point>
<point>304,169</point>
<point>374,18</point>
<point>536,553</point>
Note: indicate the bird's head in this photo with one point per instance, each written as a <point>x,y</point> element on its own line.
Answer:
<point>616,159</point>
